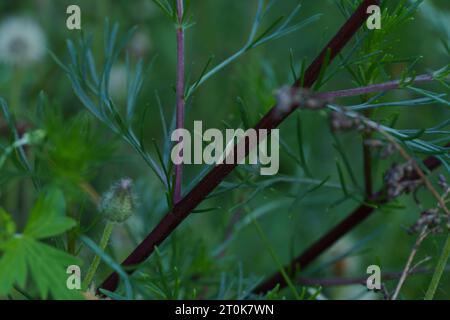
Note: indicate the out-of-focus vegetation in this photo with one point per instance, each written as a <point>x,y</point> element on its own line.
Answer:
<point>51,181</point>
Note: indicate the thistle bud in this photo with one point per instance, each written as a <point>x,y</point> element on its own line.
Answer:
<point>119,202</point>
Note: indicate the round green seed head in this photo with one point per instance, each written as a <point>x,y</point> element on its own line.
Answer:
<point>119,202</point>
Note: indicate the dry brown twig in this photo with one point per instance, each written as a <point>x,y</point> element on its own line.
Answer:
<point>406,270</point>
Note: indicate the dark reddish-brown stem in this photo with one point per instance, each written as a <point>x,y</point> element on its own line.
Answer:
<point>270,121</point>
<point>177,192</point>
<point>367,156</point>
<point>367,160</point>
<point>327,240</point>
<point>335,46</point>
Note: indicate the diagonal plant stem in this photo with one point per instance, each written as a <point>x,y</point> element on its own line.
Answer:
<point>440,268</point>
<point>408,265</point>
<point>96,262</point>
<point>177,192</point>
<point>391,85</point>
<point>271,120</point>
<point>326,241</point>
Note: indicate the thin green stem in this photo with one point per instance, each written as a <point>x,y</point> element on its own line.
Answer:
<point>95,263</point>
<point>14,197</point>
<point>23,293</point>
<point>440,268</point>
<point>16,90</point>
<point>276,260</point>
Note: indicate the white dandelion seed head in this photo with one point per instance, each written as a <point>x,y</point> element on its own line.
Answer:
<point>22,41</point>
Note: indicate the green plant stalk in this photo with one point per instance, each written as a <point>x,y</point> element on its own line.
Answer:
<point>16,90</point>
<point>14,197</point>
<point>276,260</point>
<point>95,263</point>
<point>440,268</point>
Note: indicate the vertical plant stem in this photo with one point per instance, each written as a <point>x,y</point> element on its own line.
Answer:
<point>367,169</point>
<point>367,157</point>
<point>71,234</point>
<point>16,90</point>
<point>14,196</point>
<point>95,263</point>
<point>440,268</point>
<point>177,193</point>
<point>19,193</point>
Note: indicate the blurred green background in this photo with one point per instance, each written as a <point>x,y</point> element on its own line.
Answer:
<point>221,27</point>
